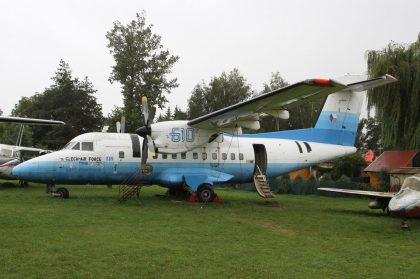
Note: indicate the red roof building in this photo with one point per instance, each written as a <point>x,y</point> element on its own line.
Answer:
<point>395,162</point>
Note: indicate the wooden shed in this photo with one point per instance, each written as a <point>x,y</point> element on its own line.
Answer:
<point>405,162</point>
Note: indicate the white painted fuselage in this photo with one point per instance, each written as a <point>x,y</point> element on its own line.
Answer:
<point>107,158</point>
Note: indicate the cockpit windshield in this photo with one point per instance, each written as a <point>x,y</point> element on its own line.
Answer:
<point>85,146</point>
<point>412,182</point>
<point>69,145</point>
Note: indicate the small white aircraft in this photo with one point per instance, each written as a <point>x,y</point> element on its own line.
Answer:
<point>405,203</point>
<point>12,155</point>
<point>211,149</point>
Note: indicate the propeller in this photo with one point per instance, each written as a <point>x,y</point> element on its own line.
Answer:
<point>146,131</point>
<point>121,125</point>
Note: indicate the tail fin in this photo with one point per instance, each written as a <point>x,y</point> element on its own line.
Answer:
<point>339,118</point>
<point>338,121</point>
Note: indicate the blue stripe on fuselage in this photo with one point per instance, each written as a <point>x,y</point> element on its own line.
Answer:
<point>331,128</point>
<point>165,174</point>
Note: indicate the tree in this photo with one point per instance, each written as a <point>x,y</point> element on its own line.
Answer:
<point>70,100</point>
<point>369,135</point>
<point>270,123</point>
<point>397,105</point>
<point>179,114</point>
<point>302,116</point>
<point>141,66</point>
<point>276,82</point>
<point>351,166</point>
<point>113,117</point>
<point>222,91</point>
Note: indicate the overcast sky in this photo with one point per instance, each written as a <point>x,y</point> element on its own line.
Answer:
<point>299,39</point>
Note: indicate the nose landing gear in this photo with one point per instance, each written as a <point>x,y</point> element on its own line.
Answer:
<point>59,193</point>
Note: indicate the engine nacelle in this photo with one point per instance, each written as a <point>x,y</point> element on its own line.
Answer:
<point>177,136</point>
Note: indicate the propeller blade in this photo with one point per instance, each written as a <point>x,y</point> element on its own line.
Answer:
<point>122,124</point>
<point>118,127</point>
<point>151,116</point>
<point>144,109</point>
<point>144,152</point>
<point>151,145</point>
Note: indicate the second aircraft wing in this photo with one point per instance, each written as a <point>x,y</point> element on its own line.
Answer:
<point>359,192</point>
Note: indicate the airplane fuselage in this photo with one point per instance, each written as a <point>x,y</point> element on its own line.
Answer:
<point>115,159</point>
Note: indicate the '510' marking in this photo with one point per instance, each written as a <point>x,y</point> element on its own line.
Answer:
<point>182,134</point>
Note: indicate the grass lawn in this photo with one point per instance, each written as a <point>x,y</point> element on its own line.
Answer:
<point>90,235</point>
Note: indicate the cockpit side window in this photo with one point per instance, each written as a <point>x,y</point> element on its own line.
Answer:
<point>76,146</point>
<point>87,146</point>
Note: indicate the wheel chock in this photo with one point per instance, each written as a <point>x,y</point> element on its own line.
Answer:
<point>216,199</point>
<point>193,198</point>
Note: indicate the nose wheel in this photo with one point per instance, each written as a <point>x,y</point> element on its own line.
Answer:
<point>62,193</point>
<point>59,193</point>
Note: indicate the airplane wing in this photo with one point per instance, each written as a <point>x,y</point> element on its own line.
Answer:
<point>272,103</point>
<point>24,120</point>
<point>32,151</point>
<point>360,192</point>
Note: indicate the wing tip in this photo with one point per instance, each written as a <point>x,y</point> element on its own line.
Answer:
<point>389,78</point>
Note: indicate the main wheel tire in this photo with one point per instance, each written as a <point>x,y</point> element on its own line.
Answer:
<point>63,192</point>
<point>205,193</point>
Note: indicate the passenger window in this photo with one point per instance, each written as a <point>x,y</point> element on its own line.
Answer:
<point>214,156</point>
<point>87,146</point>
<point>184,155</point>
<point>121,154</point>
<point>174,156</point>
<point>77,146</point>
<point>241,156</point>
<point>195,155</point>
<point>204,156</point>
<point>232,156</point>
<point>224,156</point>
<point>164,156</point>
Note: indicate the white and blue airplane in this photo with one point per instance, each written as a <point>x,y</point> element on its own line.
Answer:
<point>211,149</point>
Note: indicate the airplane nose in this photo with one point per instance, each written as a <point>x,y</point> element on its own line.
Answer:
<point>23,170</point>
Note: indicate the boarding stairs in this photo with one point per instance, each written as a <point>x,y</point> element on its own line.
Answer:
<point>261,184</point>
<point>129,189</point>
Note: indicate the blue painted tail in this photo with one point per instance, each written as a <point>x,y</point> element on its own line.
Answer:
<point>339,118</point>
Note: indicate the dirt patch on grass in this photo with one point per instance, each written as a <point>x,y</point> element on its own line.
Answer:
<point>264,224</point>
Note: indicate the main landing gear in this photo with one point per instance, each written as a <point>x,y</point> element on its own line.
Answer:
<point>204,193</point>
<point>59,193</point>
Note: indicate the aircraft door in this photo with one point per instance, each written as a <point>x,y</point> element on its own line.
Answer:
<point>260,155</point>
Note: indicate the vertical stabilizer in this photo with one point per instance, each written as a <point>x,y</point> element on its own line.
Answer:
<point>340,115</point>
<point>339,118</point>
